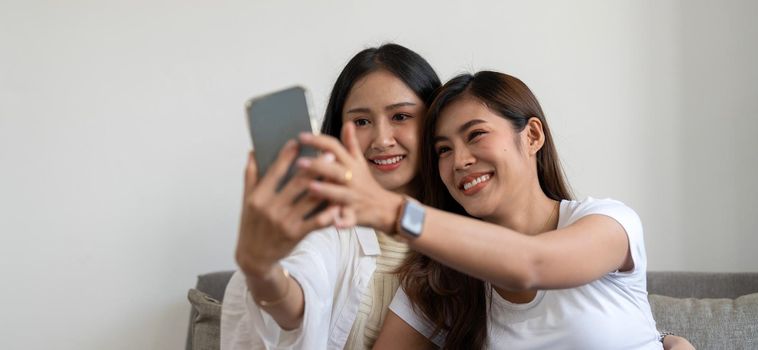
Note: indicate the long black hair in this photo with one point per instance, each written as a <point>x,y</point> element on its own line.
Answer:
<point>405,64</point>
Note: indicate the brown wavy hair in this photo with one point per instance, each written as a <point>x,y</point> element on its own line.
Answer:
<point>453,302</point>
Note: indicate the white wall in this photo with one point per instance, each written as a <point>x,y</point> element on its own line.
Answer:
<point>122,138</point>
<point>719,124</point>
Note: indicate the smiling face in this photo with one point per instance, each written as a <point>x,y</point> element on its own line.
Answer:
<point>387,116</point>
<point>483,161</point>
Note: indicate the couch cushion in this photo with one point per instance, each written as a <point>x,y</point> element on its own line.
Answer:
<point>213,284</point>
<point>206,318</point>
<point>709,323</point>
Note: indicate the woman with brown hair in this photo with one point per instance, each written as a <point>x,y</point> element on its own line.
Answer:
<point>503,256</point>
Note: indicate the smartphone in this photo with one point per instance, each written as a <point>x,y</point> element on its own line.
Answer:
<point>275,118</point>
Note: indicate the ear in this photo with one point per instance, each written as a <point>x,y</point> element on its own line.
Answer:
<point>534,135</point>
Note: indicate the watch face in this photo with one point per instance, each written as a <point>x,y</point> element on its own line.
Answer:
<point>413,218</point>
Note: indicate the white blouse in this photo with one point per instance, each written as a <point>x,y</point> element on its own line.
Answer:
<point>333,267</point>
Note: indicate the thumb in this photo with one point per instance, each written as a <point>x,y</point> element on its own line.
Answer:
<point>251,173</point>
<point>350,140</point>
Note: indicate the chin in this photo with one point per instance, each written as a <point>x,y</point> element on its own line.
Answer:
<point>478,213</point>
<point>393,181</point>
<point>475,209</point>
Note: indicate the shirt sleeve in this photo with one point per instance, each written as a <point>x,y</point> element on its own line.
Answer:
<point>629,221</point>
<point>402,307</point>
<point>314,265</point>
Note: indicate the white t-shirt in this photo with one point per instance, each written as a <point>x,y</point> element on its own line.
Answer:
<point>610,313</point>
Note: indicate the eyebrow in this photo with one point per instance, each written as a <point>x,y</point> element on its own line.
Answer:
<point>387,108</point>
<point>462,129</point>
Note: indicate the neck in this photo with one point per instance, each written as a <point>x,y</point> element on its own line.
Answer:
<point>530,212</point>
<point>407,190</point>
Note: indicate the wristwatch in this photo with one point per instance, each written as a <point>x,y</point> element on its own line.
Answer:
<point>410,219</point>
<point>663,334</point>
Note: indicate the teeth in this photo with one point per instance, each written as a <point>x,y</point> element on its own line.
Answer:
<point>388,161</point>
<point>476,181</point>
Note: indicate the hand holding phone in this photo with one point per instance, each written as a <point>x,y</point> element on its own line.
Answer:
<point>277,213</point>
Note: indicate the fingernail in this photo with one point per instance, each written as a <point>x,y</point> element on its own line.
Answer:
<point>329,157</point>
<point>303,162</point>
<point>289,143</point>
<point>305,136</point>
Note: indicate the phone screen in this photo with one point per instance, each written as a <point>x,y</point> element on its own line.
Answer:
<point>275,118</point>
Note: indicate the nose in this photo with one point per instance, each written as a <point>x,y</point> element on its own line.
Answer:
<point>463,159</point>
<point>384,137</point>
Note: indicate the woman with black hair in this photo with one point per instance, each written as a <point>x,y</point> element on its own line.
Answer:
<point>330,288</point>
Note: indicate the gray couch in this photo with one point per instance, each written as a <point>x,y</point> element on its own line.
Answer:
<point>711,310</point>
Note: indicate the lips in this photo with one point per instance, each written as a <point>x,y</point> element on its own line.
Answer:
<point>387,163</point>
<point>473,183</point>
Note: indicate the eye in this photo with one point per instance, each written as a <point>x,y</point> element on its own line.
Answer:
<point>400,117</point>
<point>361,122</point>
<point>442,150</point>
<point>475,134</point>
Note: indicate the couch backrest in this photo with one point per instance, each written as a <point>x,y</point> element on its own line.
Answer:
<point>679,284</point>
<point>676,284</point>
<point>214,283</point>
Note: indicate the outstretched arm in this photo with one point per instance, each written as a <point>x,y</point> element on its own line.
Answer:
<point>271,225</point>
<point>575,255</point>
<point>565,258</point>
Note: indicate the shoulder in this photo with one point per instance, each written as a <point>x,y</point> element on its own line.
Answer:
<point>573,210</point>
<point>591,204</point>
<point>402,306</point>
<point>630,222</point>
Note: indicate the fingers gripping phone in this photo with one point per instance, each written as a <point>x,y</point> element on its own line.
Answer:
<point>275,118</point>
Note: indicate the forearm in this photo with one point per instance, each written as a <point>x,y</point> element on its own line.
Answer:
<point>278,295</point>
<point>571,256</point>
<point>483,250</point>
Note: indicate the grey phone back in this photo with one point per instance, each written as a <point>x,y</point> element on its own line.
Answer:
<point>275,118</point>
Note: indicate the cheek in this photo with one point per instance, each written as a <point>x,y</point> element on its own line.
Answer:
<point>408,137</point>
<point>444,167</point>
<point>364,139</point>
<point>494,152</point>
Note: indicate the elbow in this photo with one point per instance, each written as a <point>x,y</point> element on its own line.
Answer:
<point>521,276</point>
<point>526,280</point>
